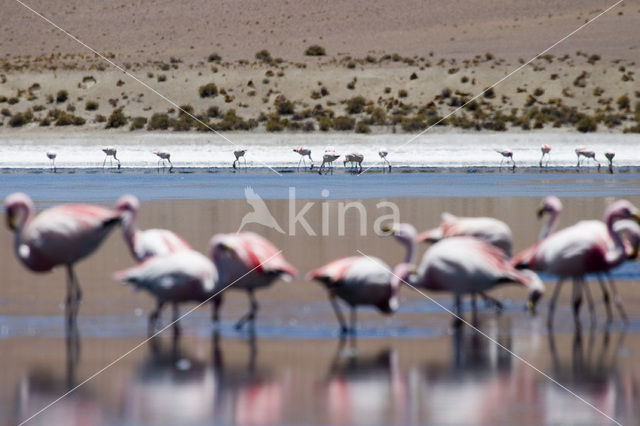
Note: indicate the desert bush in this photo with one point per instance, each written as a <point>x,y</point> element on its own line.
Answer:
<point>355,105</point>
<point>91,106</point>
<point>100,118</point>
<point>138,123</point>
<point>62,96</point>
<point>274,124</point>
<point>213,111</point>
<point>324,123</point>
<point>489,93</point>
<point>5,112</point>
<point>362,127</point>
<point>315,50</point>
<point>161,78</point>
<point>264,56</point>
<point>623,102</point>
<point>587,124</point>
<point>38,108</point>
<point>116,119</point>
<point>343,123</point>
<point>214,57</point>
<point>283,105</point>
<point>593,59</point>
<point>308,126</point>
<point>158,121</point>
<point>21,118</point>
<point>3,99</point>
<point>538,91</point>
<point>208,90</point>
<point>402,93</point>
<point>63,118</point>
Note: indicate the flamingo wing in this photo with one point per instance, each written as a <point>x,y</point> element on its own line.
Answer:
<point>152,242</point>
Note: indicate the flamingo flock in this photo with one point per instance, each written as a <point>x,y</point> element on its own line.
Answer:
<point>468,256</point>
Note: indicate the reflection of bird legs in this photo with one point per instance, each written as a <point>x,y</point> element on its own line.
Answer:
<point>616,298</point>
<point>72,343</point>
<point>251,315</point>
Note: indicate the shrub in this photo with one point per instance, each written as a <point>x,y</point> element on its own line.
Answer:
<point>208,90</point>
<point>19,119</point>
<point>362,127</point>
<point>355,105</point>
<point>402,93</point>
<point>343,123</point>
<point>284,106</point>
<point>274,124</point>
<point>158,121</point>
<point>315,50</point>
<point>91,105</point>
<point>116,119</point>
<point>538,91</point>
<point>623,102</point>
<point>324,123</point>
<point>213,111</point>
<point>100,118</point>
<point>214,57</point>
<point>138,123</point>
<point>489,93</point>
<point>6,112</point>
<point>63,118</point>
<point>587,124</point>
<point>3,99</point>
<point>62,96</point>
<point>264,56</point>
<point>13,100</point>
<point>593,58</point>
<point>161,78</point>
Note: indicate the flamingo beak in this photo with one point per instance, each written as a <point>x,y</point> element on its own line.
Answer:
<point>636,216</point>
<point>540,212</point>
<point>388,229</point>
<point>533,301</point>
<point>11,221</point>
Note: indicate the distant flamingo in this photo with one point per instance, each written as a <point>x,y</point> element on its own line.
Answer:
<point>239,153</point>
<point>330,155</point>
<point>151,242</point>
<point>586,154</point>
<point>546,149</point>
<point>304,152</point>
<point>609,154</point>
<point>506,154</point>
<point>492,230</point>
<point>164,155</point>
<point>580,249</point>
<point>382,152</point>
<point>363,280</point>
<point>51,155</point>
<point>467,265</point>
<point>355,159</point>
<point>110,151</point>
<point>60,235</point>
<point>182,276</point>
<point>247,261</point>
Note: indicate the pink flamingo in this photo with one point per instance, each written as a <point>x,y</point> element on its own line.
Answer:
<point>382,152</point>
<point>578,250</point>
<point>182,276</point>
<point>247,261</point>
<point>304,152</point>
<point>609,154</point>
<point>355,159</point>
<point>364,280</point>
<point>51,155</point>
<point>60,235</point>
<point>152,242</point>
<point>489,229</point>
<point>239,153</point>
<point>506,154</point>
<point>467,265</point>
<point>330,155</point>
<point>546,149</point>
<point>164,155</point>
<point>587,154</point>
<point>110,151</point>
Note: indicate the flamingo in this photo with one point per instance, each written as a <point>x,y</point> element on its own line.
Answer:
<point>110,151</point>
<point>364,280</point>
<point>304,152</point>
<point>382,152</point>
<point>239,153</point>
<point>51,155</point>
<point>553,206</point>
<point>330,155</point>
<point>489,229</point>
<point>247,261</point>
<point>609,154</point>
<point>181,276</point>
<point>60,235</point>
<point>355,159</point>
<point>506,154</point>
<point>151,242</point>
<point>467,265</point>
<point>546,149</point>
<point>586,247</point>
<point>587,154</point>
<point>164,155</point>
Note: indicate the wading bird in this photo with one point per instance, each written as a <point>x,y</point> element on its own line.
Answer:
<point>573,252</point>
<point>239,153</point>
<point>182,276</point>
<point>304,152</point>
<point>51,155</point>
<point>364,280</point>
<point>164,155</point>
<point>508,155</point>
<point>247,261</point>
<point>586,154</point>
<point>110,151</point>
<point>546,149</point>
<point>330,155</point>
<point>609,156</point>
<point>382,152</point>
<point>60,235</point>
<point>151,242</point>
<point>489,229</point>
<point>468,265</point>
<point>355,160</point>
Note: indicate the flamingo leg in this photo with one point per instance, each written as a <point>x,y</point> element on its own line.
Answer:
<point>153,318</point>
<point>170,164</point>
<point>336,308</point>
<point>541,158</point>
<point>474,309</point>
<point>617,301</point>
<point>496,302</point>
<point>457,320</point>
<point>552,303</point>
<point>577,301</point>
<point>104,162</point>
<point>176,317</point>
<point>216,303</point>
<point>354,319</point>
<point>605,297</point>
<point>251,315</point>
<point>592,308</point>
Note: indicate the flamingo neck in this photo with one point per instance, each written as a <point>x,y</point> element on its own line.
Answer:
<point>411,250</point>
<point>618,255</point>
<point>129,228</point>
<point>546,230</point>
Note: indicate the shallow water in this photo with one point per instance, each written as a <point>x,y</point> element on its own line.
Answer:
<point>407,368</point>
